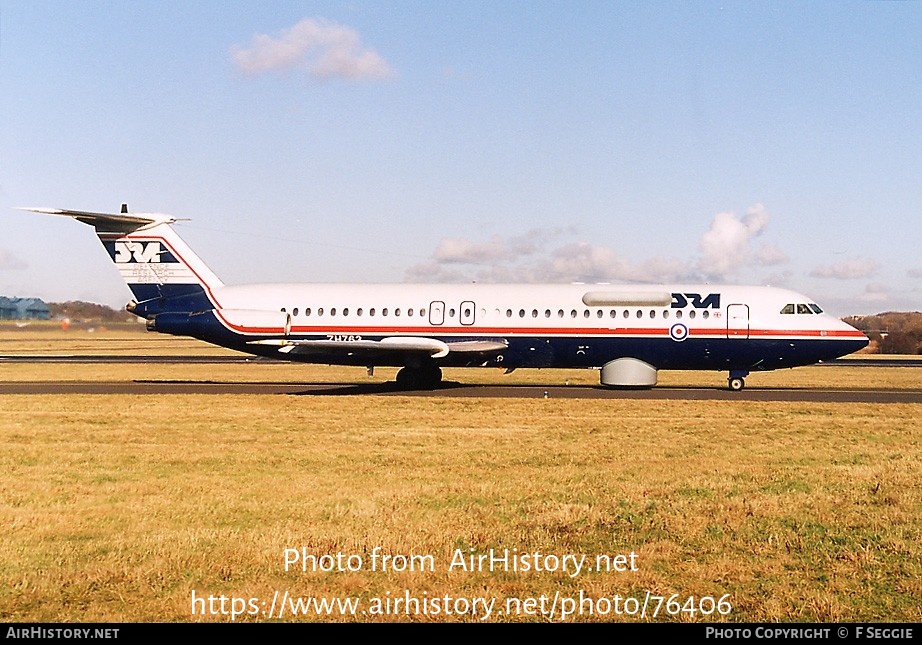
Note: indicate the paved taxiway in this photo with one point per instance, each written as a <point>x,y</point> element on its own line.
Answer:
<point>158,387</point>
<point>881,361</point>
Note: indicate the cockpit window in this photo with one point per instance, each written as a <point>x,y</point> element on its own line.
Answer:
<point>816,309</point>
<point>803,309</point>
<point>788,309</point>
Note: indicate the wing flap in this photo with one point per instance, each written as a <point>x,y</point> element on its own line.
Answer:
<point>386,346</point>
<point>478,346</point>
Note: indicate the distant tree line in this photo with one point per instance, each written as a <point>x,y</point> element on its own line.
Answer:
<point>893,332</point>
<point>88,311</point>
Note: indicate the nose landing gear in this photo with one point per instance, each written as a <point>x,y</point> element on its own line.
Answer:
<point>737,380</point>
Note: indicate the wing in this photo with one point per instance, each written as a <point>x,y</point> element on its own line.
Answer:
<point>387,348</point>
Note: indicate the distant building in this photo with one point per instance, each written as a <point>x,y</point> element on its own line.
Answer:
<point>23,309</point>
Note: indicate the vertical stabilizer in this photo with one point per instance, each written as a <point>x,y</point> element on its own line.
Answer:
<point>161,270</point>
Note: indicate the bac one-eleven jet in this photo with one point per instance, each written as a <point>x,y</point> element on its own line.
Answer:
<point>627,332</point>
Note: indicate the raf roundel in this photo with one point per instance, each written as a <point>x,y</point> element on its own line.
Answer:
<point>678,332</point>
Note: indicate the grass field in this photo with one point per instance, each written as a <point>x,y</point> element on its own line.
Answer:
<point>120,508</point>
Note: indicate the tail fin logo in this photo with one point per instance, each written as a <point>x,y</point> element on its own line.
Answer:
<point>140,252</point>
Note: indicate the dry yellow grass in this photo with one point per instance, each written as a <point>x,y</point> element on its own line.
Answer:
<point>283,372</point>
<point>117,508</point>
<point>118,340</point>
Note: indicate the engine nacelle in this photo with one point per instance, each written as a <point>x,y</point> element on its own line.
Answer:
<point>628,372</point>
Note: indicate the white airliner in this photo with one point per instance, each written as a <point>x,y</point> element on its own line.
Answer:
<point>627,332</point>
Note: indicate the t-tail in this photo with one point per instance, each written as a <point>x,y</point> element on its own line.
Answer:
<point>163,273</point>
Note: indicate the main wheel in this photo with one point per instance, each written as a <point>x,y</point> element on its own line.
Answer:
<point>736,383</point>
<point>430,377</point>
<point>419,378</point>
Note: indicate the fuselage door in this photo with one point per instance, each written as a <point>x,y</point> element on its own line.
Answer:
<point>436,312</point>
<point>737,321</point>
<point>468,312</point>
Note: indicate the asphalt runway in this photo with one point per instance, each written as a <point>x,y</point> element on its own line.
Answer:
<point>160,387</point>
<point>881,361</point>
<point>448,388</point>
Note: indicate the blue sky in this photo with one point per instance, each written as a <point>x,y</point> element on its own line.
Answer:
<point>749,143</point>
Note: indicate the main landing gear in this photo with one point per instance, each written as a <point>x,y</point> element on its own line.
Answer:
<point>426,377</point>
<point>737,380</point>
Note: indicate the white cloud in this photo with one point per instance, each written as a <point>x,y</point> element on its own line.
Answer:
<point>724,247</point>
<point>586,262</point>
<point>770,255</point>
<point>461,251</point>
<point>433,272</point>
<point>535,258</point>
<point>779,279</point>
<point>542,255</point>
<point>322,47</point>
<point>847,270</point>
<point>914,273</point>
<point>9,262</point>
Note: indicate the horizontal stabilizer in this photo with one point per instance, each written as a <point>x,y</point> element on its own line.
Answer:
<point>162,272</point>
<point>109,222</point>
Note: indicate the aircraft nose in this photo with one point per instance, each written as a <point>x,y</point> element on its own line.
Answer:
<point>856,340</point>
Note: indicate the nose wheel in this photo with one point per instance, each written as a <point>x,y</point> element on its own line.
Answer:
<point>737,380</point>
